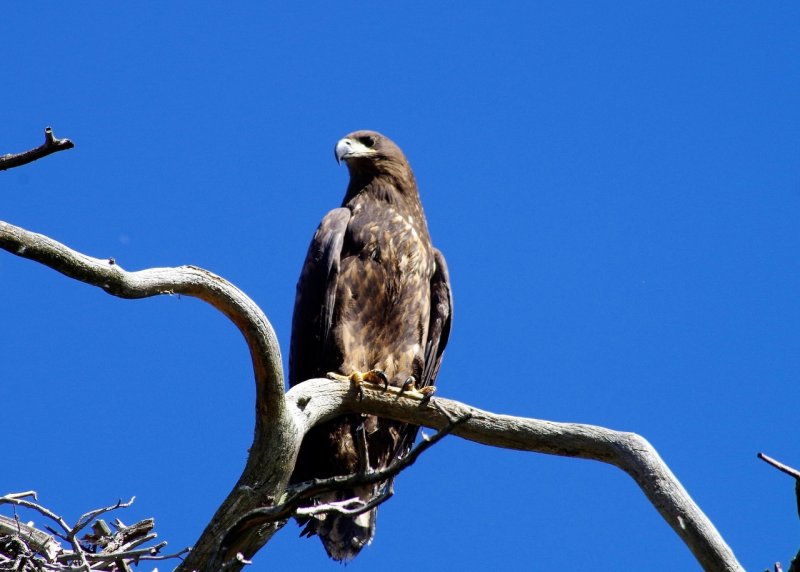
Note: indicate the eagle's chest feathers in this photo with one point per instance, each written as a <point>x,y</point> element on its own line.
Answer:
<point>385,291</point>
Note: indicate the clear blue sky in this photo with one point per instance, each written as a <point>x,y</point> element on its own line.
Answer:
<point>616,189</point>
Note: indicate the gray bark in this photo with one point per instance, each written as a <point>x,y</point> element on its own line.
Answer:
<point>282,417</point>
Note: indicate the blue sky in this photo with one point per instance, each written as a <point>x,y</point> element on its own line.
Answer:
<point>616,189</point>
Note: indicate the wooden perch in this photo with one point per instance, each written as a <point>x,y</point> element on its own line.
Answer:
<point>234,534</point>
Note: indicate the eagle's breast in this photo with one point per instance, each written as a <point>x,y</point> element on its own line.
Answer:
<point>384,297</point>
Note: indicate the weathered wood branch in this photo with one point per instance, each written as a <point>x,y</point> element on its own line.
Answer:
<point>283,418</point>
<point>320,399</point>
<point>186,280</point>
<point>276,439</point>
<point>794,566</point>
<point>304,492</point>
<point>51,145</point>
<point>26,548</point>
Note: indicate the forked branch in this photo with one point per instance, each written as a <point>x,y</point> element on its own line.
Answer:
<point>283,418</point>
<point>302,493</point>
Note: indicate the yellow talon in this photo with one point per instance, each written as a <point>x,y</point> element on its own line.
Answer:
<point>375,376</point>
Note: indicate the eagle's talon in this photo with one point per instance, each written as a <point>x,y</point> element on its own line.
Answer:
<point>411,383</point>
<point>357,378</point>
<point>376,376</point>
<point>427,393</point>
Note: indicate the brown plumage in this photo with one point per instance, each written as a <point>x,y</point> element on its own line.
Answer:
<point>373,294</point>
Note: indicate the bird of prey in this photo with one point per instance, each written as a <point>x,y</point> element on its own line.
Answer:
<point>373,304</point>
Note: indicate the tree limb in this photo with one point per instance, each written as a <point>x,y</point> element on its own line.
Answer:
<point>320,399</point>
<point>794,566</point>
<point>50,145</point>
<point>303,492</point>
<point>282,419</point>
<point>276,439</point>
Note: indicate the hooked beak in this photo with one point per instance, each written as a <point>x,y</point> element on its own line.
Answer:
<point>351,149</point>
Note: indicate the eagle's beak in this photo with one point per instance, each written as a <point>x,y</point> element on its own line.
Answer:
<point>350,149</point>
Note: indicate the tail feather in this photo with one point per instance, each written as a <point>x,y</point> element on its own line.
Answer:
<point>344,536</point>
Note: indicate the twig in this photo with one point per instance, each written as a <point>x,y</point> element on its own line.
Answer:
<point>50,145</point>
<point>340,507</point>
<point>792,472</point>
<point>172,556</point>
<point>236,562</point>
<point>305,491</point>
<point>92,514</point>
<point>118,548</point>
<point>138,554</point>
<point>23,495</point>
<point>16,499</point>
<point>780,466</point>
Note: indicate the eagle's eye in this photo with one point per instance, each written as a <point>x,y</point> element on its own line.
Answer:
<point>367,141</point>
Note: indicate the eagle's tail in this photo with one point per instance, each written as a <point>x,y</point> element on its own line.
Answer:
<point>344,536</point>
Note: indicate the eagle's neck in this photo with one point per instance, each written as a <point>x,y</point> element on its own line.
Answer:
<point>396,188</point>
<point>386,195</point>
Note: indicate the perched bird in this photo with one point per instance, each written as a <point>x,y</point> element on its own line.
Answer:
<point>373,303</point>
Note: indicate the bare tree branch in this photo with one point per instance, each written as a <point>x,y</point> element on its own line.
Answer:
<point>348,507</point>
<point>186,280</point>
<point>51,145</point>
<point>276,438</point>
<point>780,466</point>
<point>24,547</point>
<point>319,399</point>
<point>794,566</point>
<point>303,492</point>
<point>282,419</point>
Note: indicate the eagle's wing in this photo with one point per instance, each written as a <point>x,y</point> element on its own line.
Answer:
<point>441,317</point>
<point>316,298</point>
<point>438,333</point>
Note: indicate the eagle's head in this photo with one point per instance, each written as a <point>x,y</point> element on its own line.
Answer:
<point>368,153</point>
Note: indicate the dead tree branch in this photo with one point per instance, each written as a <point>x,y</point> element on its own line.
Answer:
<point>303,492</point>
<point>24,547</point>
<point>319,399</point>
<point>794,566</point>
<point>276,438</point>
<point>51,145</point>
<point>283,418</point>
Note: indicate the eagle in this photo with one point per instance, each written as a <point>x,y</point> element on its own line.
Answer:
<point>373,304</point>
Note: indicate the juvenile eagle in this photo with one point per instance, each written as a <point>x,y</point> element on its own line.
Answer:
<point>373,302</point>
